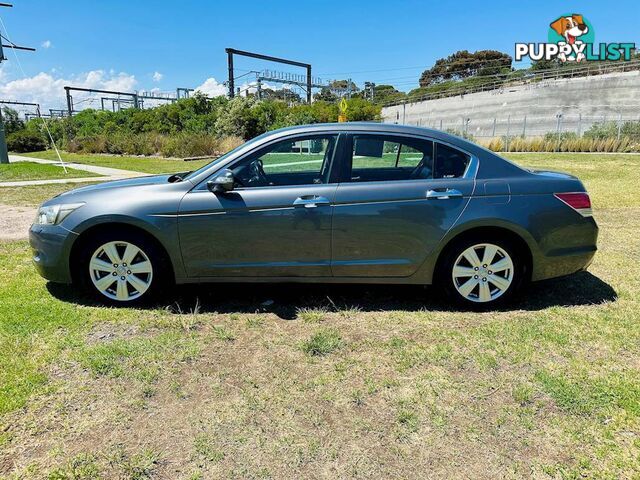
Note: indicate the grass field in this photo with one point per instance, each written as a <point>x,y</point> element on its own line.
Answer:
<point>37,171</point>
<point>332,381</point>
<point>137,164</point>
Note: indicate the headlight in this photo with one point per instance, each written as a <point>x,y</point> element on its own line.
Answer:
<point>54,214</point>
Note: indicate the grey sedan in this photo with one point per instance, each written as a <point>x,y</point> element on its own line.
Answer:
<point>332,203</point>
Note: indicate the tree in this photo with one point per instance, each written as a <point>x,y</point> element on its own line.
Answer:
<point>12,122</point>
<point>325,95</point>
<point>281,94</point>
<point>386,93</point>
<point>344,86</point>
<point>545,64</point>
<point>337,89</point>
<point>463,64</point>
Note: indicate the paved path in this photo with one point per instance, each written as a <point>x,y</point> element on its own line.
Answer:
<point>107,173</point>
<point>15,220</point>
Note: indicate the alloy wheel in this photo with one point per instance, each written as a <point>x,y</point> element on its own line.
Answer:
<point>120,271</point>
<point>483,272</point>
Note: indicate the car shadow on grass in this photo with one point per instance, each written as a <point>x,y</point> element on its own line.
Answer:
<point>285,300</point>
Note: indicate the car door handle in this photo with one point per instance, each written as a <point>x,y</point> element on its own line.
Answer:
<point>444,193</point>
<point>310,201</point>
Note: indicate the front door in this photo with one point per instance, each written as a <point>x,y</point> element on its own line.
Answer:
<point>397,199</point>
<point>275,222</point>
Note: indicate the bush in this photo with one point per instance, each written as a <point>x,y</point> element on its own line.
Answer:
<point>244,117</point>
<point>606,130</point>
<point>179,145</point>
<point>190,145</point>
<point>24,141</point>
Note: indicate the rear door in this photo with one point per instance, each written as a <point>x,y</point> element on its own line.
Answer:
<point>397,197</point>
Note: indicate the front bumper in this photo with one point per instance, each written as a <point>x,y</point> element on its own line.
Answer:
<point>51,245</point>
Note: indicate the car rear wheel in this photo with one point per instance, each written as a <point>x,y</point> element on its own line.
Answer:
<point>123,268</point>
<point>481,273</point>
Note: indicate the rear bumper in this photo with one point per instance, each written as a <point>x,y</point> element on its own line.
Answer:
<point>50,245</point>
<point>562,265</point>
<point>579,246</point>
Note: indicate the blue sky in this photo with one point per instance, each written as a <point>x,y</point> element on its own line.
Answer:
<point>124,43</point>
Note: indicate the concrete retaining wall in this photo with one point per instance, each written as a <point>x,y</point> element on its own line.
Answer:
<point>530,110</point>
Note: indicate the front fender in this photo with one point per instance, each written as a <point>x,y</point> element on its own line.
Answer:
<point>164,228</point>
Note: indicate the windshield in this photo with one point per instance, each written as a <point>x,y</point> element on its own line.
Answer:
<point>223,157</point>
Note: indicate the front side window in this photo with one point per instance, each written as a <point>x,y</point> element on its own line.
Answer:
<point>384,158</point>
<point>298,161</point>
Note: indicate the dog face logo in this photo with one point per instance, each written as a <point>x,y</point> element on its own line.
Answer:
<point>570,27</point>
<point>571,38</point>
<point>571,30</point>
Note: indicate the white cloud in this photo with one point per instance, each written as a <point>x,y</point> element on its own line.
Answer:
<point>49,92</point>
<point>212,88</point>
<point>157,76</point>
<point>47,44</point>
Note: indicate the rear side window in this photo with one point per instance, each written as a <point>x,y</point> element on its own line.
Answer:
<point>384,158</point>
<point>449,162</point>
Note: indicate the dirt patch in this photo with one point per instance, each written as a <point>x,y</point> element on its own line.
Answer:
<point>15,222</point>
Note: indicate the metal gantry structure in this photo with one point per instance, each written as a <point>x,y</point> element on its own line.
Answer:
<point>4,154</point>
<point>133,99</point>
<point>69,89</point>
<point>307,84</point>
<point>182,92</point>
<point>286,78</point>
<point>28,115</point>
<point>24,104</point>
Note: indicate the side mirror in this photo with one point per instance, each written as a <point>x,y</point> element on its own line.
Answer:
<point>222,183</point>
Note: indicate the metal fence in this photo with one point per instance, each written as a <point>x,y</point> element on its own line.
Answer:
<point>529,126</point>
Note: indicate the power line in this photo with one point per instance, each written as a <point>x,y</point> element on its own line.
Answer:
<point>3,145</point>
<point>423,67</point>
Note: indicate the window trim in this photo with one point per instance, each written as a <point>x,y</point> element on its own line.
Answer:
<point>470,172</point>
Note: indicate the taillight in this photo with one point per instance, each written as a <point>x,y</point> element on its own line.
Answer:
<point>579,201</point>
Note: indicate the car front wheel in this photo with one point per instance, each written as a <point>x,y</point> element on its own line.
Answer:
<point>122,269</point>
<point>481,273</point>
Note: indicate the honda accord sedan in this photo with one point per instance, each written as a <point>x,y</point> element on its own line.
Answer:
<point>330,203</point>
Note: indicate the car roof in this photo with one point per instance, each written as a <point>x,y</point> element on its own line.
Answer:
<point>363,126</point>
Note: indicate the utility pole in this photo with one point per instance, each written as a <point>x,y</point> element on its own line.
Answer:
<point>4,154</point>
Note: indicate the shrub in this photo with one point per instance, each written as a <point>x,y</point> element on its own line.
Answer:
<point>190,145</point>
<point>24,141</point>
<point>229,143</point>
<point>177,145</point>
<point>568,143</point>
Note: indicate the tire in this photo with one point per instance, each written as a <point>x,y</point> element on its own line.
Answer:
<point>487,280</point>
<point>122,268</point>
